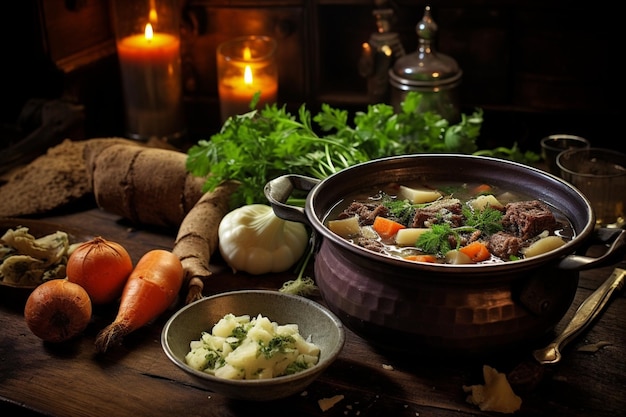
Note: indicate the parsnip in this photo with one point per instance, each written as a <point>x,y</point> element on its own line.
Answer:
<point>197,237</point>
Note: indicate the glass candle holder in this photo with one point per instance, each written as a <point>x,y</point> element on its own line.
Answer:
<point>600,174</point>
<point>553,145</point>
<point>245,66</point>
<point>148,46</point>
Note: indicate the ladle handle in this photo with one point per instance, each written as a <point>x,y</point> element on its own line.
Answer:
<point>615,238</point>
<point>588,310</point>
<point>278,191</point>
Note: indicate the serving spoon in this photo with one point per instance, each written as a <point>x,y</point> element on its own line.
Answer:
<point>588,310</point>
<point>529,373</point>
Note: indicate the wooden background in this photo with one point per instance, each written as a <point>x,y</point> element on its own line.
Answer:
<point>535,67</point>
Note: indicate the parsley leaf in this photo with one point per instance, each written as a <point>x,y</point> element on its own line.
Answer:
<point>437,239</point>
<point>488,220</point>
<point>258,146</point>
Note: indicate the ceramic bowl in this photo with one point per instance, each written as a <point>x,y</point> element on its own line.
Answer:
<point>313,320</point>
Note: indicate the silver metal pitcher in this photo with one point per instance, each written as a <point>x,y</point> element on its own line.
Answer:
<point>437,76</point>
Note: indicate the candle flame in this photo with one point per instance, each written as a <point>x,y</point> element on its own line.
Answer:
<point>149,33</point>
<point>247,75</point>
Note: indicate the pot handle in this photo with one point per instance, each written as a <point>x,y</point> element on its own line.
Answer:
<point>614,254</point>
<point>278,191</point>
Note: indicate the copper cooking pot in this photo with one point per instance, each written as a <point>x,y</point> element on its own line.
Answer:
<point>465,309</point>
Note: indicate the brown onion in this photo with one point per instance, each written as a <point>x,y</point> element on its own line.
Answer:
<point>57,310</point>
<point>101,267</point>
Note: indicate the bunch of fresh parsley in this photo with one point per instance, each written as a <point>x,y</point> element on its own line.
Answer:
<point>261,145</point>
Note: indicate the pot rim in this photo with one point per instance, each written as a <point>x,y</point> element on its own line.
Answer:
<point>553,187</point>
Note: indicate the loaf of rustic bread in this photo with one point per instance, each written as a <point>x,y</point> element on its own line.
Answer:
<point>146,183</point>
<point>53,180</point>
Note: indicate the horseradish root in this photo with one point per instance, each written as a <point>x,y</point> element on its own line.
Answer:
<point>145,185</point>
<point>197,237</point>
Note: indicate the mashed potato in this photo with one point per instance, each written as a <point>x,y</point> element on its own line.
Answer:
<point>242,348</point>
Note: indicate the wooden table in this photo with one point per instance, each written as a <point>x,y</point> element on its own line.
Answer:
<point>137,379</point>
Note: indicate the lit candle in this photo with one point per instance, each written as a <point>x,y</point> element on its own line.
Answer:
<point>151,78</point>
<point>246,66</point>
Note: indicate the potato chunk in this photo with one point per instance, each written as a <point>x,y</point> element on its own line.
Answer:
<point>543,245</point>
<point>409,236</point>
<point>482,201</point>
<point>346,228</point>
<point>418,196</point>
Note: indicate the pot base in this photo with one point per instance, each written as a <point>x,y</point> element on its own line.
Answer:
<point>405,313</point>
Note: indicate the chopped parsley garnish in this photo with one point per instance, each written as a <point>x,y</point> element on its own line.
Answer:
<point>296,367</point>
<point>214,359</point>
<point>239,333</point>
<point>278,344</point>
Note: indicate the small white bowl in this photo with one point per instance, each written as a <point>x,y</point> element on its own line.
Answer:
<point>313,320</point>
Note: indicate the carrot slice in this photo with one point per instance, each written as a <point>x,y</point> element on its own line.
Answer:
<point>421,258</point>
<point>386,228</point>
<point>477,251</point>
<point>482,189</point>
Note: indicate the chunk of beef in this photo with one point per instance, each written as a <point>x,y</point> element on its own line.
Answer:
<point>447,210</point>
<point>504,245</point>
<point>463,239</point>
<point>366,212</point>
<point>371,244</point>
<point>527,219</point>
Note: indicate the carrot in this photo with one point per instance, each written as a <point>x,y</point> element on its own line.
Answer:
<point>385,227</point>
<point>477,251</point>
<point>151,288</point>
<point>421,258</point>
<point>482,189</point>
